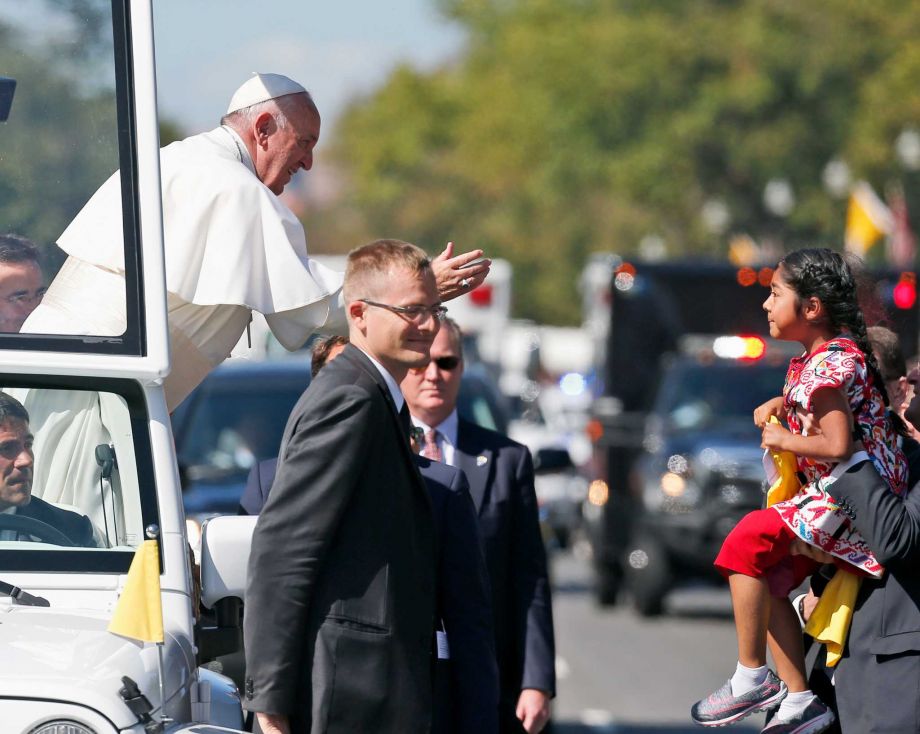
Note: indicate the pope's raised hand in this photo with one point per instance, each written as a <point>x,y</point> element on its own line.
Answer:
<point>459,274</point>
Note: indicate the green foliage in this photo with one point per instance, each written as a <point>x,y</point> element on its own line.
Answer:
<point>170,131</point>
<point>60,142</point>
<point>572,126</point>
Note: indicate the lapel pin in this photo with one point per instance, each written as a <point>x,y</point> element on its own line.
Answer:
<point>481,460</point>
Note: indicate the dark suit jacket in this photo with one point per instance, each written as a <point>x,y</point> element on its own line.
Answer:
<point>75,526</point>
<point>878,679</point>
<point>500,473</point>
<point>466,685</point>
<point>340,606</point>
<point>468,703</point>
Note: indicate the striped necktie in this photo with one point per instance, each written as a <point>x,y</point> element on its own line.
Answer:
<point>431,449</point>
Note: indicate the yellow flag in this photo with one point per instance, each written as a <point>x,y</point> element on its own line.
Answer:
<point>787,483</point>
<point>830,621</point>
<point>867,219</point>
<point>139,612</point>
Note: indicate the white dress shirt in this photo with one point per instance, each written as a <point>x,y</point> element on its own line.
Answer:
<point>447,436</point>
<point>395,392</point>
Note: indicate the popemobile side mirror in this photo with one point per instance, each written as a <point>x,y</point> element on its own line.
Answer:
<point>7,88</point>
<point>551,460</point>
<point>226,542</point>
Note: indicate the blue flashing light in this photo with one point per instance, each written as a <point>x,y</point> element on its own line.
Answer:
<point>572,384</point>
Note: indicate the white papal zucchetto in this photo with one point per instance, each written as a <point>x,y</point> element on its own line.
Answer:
<point>261,88</point>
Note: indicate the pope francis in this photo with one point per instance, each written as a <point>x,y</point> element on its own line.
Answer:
<point>231,247</point>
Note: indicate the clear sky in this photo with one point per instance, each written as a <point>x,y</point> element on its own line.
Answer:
<point>207,48</point>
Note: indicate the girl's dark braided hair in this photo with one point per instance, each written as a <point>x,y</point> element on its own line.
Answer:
<point>826,275</point>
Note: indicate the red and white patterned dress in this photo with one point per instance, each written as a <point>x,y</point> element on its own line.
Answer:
<point>813,514</point>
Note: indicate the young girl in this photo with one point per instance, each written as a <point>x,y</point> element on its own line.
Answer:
<point>834,403</point>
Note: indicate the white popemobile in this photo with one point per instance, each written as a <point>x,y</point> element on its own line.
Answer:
<point>85,105</point>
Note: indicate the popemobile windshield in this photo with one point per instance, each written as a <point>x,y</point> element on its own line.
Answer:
<point>77,93</point>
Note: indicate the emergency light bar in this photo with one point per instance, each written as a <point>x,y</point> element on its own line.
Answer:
<point>747,348</point>
<point>739,347</point>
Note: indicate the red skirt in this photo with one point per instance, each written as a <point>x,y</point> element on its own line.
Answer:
<point>758,546</point>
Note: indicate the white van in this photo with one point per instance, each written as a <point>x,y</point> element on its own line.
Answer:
<point>78,97</point>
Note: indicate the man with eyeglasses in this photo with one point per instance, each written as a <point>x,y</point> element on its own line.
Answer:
<point>22,516</point>
<point>22,284</point>
<point>340,606</point>
<point>500,474</point>
<point>465,681</point>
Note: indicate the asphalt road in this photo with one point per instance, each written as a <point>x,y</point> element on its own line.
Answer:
<point>621,674</point>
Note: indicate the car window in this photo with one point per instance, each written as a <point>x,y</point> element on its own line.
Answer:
<point>226,427</point>
<point>481,403</point>
<point>90,478</point>
<point>697,396</point>
<point>64,136</point>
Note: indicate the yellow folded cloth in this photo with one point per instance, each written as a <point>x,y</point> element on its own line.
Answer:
<point>830,621</point>
<point>787,484</point>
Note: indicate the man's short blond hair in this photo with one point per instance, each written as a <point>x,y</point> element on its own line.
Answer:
<point>369,266</point>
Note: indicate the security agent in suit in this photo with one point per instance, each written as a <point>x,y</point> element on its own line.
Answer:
<point>466,687</point>
<point>864,671</point>
<point>16,463</point>
<point>340,606</point>
<point>877,681</point>
<point>465,692</point>
<point>465,696</point>
<point>500,473</point>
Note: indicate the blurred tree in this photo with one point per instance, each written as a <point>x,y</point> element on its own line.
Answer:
<point>571,126</point>
<point>60,142</point>
<point>170,132</point>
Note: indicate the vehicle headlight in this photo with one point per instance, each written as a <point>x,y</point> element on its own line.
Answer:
<point>598,493</point>
<point>62,727</point>
<point>673,485</point>
<point>670,492</point>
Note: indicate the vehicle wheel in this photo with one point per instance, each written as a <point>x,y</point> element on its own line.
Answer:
<point>648,576</point>
<point>607,582</point>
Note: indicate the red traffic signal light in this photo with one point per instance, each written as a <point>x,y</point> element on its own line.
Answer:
<point>905,292</point>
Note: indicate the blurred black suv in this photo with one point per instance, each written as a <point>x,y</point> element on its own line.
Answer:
<point>701,467</point>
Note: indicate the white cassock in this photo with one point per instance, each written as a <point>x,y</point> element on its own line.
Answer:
<point>232,247</point>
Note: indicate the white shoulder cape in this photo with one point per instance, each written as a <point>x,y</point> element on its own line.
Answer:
<point>228,239</point>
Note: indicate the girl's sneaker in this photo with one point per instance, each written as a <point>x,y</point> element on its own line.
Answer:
<point>722,708</point>
<point>814,719</point>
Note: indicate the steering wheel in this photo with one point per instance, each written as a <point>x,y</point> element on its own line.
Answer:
<point>36,528</point>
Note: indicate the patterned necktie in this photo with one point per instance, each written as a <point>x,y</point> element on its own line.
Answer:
<point>431,449</point>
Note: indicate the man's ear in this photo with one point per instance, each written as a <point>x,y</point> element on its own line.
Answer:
<point>355,312</point>
<point>262,128</point>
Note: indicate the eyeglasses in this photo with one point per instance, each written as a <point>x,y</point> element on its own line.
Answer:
<point>448,364</point>
<point>415,314</point>
<point>25,299</point>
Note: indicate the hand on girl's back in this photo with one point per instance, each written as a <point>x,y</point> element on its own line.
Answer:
<point>810,425</point>
<point>801,548</point>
